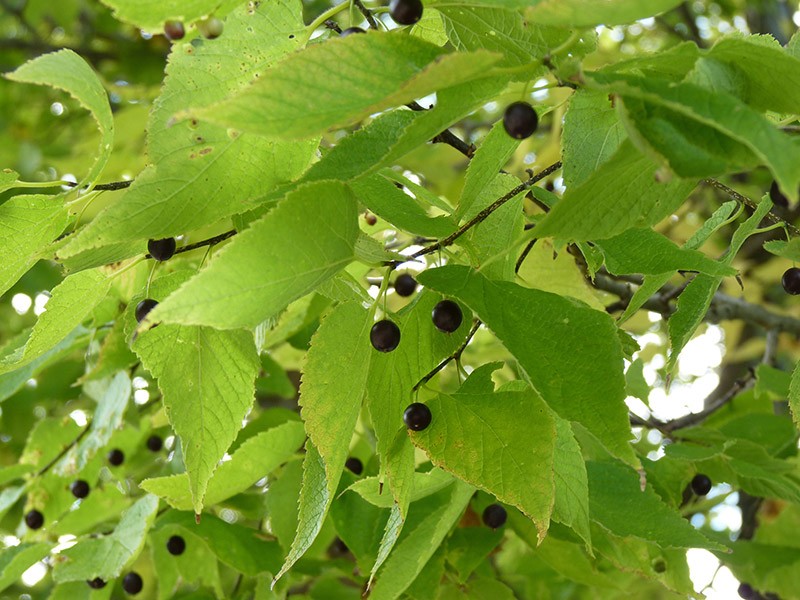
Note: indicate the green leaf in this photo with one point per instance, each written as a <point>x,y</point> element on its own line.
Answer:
<point>588,13</point>
<point>308,237</point>
<point>238,546</point>
<point>297,99</point>
<point>198,565</point>
<point>12,381</point>
<point>623,193</point>
<point>106,557</point>
<point>254,459</point>
<point>423,537</point>
<point>772,383</point>
<point>570,352</point>
<point>150,15</point>
<point>789,250</point>
<point>207,378</point>
<point>648,252</point>
<point>331,399</point>
<point>315,500</point>
<point>27,224</point>
<point>389,202</point>
<point>699,132</point>
<point>425,484</point>
<point>592,134</point>
<point>65,70</point>
<point>70,303</point>
<point>618,503</point>
<point>484,439</point>
<point>794,395</point>
<point>201,173</point>
<point>15,560</point>
<point>489,158</point>
<point>747,55</point>
<point>107,418</point>
<point>499,30</point>
<point>571,506</point>
<point>653,283</point>
<point>695,300</point>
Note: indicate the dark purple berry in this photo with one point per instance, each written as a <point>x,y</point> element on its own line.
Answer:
<point>370,218</point>
<point>79,488</point>
<point>174,30</point>
<point>494,516</point>
<point>176,545</point>
<point>406,12</point>
<point>143,308</point>
<point>791,281</point>
<point>34,519</point>
<point>355,465</point>
<point>115,457</point>
<point>405,285</point>
<point>384,336</point>
<point>701,484</point>
<point>132,583</point>
<point>155,443</point>
<point>417,416</point>
<point>447,316</point>
<point>96,583</point>
<point>351,31</point>
<point>162,249</point>
<point>746,591</point>
<point>777,197</point>
<point>520,120</point>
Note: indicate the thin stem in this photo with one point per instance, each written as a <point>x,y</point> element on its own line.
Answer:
<point>524,255</point>
<point>486,212</point>
<point>320,20</point>
<point>373,24</point>
<point>456,356</point>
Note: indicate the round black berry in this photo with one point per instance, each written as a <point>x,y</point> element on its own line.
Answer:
<point>447,316</point>
<point>143,308</point>
<point>406,12</point>
<point>176,545</point>
<point>211,28</point>
<point>355,465</point>
<point>777,197</point>
<point>34,519</point>
<point>174,30</point>
<point>132,583</point>
<point>155,443</point>
<point>746,591</point>
<point>384,335</point>
<point>96,583</point>
<point>351,31</point>
<point>162,249</point>
<point>701,484</point>
<point>494,516</point>
<point>791,281</point>
<point>405,285</point>
<point>79,488</point>
<point>417,416</point>
<point>115,457</point>
<point>520,120</point>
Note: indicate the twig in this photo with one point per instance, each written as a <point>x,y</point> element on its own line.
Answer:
<point>454,356</point>
<point>723,307</point>
<point>208,242</point>
<point>524,255</point>
<point>333,25</point>
<point>770,216</point>
<point>63,453</point>
<point>446,136</point>
<point>105,187</point>
<point>373,24</point>
<point>486,212</point>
